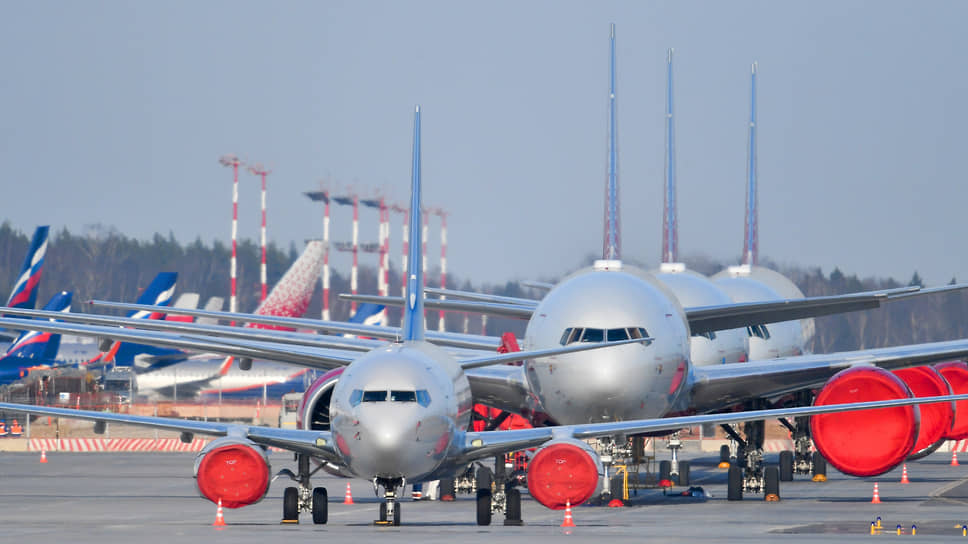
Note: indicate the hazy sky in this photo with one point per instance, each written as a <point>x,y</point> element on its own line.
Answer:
<point>117,112</point>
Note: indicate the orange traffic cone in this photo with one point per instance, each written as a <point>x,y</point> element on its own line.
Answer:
<point>877,495</point>
<point>569,521</point>
<point>43,456</point>
<point>954,457</point>
<point>904,478</point>
<point>219,516</point>
<point>348,499</point>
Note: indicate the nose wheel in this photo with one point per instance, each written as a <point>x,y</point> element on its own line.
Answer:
<point>389,508</point>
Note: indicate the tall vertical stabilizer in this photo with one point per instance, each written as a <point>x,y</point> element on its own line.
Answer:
<point>413,315</point>
<point>670,216</point>
<point>751,236</point>
<point>613,243</point>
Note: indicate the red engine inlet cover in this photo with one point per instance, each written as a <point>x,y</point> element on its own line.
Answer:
<point>562,473</point>
<point>956,374</point>
<point>936,419</point>
<point>865,442</point>
<point>237,474</point>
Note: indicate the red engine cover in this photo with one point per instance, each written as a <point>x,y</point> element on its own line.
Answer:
<point>956,374</point>
<point>865,442</point>
<point>936,419</point>
<point>235,473</point>
<point>562,473</point>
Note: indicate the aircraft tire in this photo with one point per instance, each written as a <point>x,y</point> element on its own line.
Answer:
<point>786,466</point>
<point>684,473</point>
<point>383,512</point>
<point>819,464</point>
<point>290,505</point>
<point>447,488</point>
<point>771,481</point>
<point>665,470</point>
<point>320,506</point>
<point>724,453</point>
<point>485,477</point>
<point>483,506</point>
<point>513,510</point>
<point>734,487</point>
<point>396,514</point>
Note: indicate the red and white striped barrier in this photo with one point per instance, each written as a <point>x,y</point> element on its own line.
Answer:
<point>113,444</point>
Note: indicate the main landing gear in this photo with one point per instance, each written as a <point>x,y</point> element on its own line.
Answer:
<point>496,494</point>
<point>748,473</point>
<point>303,498</point>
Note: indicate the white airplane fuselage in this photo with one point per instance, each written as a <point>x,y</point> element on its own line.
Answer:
<point>621,383</point>
<point>396,411</point>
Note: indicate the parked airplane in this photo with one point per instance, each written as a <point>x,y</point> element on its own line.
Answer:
<point>34,350</point>
<point>398,413</point>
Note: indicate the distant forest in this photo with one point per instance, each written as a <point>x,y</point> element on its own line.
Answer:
<point>103,263</point>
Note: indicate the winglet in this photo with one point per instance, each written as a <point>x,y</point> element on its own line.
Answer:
<point>413,314</point>
<point>670,226</point>
<point>751,238</point>
<point>613,244</point>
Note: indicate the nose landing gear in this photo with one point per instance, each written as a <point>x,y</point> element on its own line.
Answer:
<point>389,508</point>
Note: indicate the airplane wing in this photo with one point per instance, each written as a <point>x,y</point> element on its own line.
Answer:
<point>701,318</point>
<point>482,297</point>
<point>316,443</point>
<point>453,339</point>
<point>500,358</point>
<point>479,445</point>
<point>307,356</point>
<point>717,386</point>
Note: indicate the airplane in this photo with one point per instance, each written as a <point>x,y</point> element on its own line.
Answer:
<point>34,350</point>
<point>24,292</point>
<point>399,412</point>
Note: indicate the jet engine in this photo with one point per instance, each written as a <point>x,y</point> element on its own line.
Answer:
<point>564,471</point>
<point>314,411</point>
<point>865,442</point>
<point>956,374</point>
<point>936,419</point>
<point>234,470</point>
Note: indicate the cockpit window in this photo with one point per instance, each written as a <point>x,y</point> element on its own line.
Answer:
<point>578,334</point>
<point>374,396</point>
<point>423,398</point>
<point>403,396</point>
<point>356,396</point>
<point>759,331</point>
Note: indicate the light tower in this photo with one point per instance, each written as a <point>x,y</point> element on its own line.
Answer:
<point>354,200</point>
<point>259,170</point>
<point>383,274</point>
<point>233,161</point>
<point>323,196</point>
<point>405,237</point>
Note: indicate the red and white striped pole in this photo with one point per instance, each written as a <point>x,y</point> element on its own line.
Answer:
<point>384,253</point>
<point>234,162</point>
<point>259,170</point>
<point>403,262</point>
<point>443,262</point>
<point>326,258</point>
<point>356,249</point>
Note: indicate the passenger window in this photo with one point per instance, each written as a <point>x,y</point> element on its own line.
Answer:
<point>374,396</point>
<point>355,397</point>
<point>593,335</point>
<point>617,335</point>
<point>403,396</point>
<point>423,398</point>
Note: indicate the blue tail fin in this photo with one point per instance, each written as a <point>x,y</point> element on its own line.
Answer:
<point>24,294</point>
<point>41,345</point>
<point>158,293</point>
<point>751,240</point>
<point>413,314</point>
<point>369,314</point>
<point>613,240</point>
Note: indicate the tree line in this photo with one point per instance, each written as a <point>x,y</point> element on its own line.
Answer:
<point>103,263</point>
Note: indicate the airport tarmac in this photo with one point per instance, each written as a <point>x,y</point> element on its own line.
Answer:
<point>147,498</point>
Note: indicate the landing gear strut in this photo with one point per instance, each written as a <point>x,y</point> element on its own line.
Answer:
<point>496,494</point>
<point>303,498</point>
<point>747,473</point>
<point>389,509</point>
